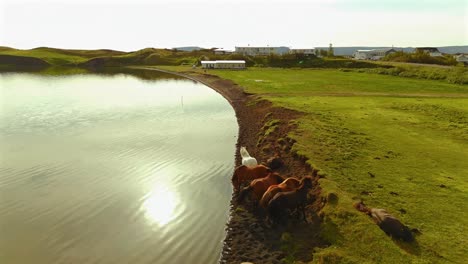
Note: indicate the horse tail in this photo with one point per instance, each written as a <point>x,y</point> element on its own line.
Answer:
<point>243,193</point>
<point>406,234</point>
<point>279,178</point>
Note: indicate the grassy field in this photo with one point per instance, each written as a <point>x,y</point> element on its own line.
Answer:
<point>397,143</point>
<point>450,74</point>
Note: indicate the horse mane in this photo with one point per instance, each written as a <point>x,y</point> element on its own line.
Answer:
<point>279,177</point>
<point>307,178</point>
<point>302,184</point>
<point>292,179</point>
<point>360,206</point>
<point>240,166</point>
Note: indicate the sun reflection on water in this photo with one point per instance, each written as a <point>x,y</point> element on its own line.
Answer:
<point>159,205</point>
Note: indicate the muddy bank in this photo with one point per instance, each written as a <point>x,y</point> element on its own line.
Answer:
<point>263,130</point>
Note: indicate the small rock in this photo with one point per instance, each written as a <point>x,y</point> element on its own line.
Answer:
<point>394,193</point>
<point>442,186</point>
<point>371,174</point>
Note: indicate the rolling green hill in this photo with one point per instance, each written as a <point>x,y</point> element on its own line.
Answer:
<point>94,59</point>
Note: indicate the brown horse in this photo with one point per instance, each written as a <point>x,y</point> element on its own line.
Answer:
<point>286,202</point>
<point>287,185</point>
<point>259,186</point>
<point>244,173</point>
<point>387,222</point>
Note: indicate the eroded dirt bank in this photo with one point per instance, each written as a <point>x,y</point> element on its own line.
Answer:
<point>263,129</point>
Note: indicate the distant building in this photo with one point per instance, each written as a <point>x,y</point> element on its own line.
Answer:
<point>362,54</point>
<point>433,52</point>
<point>261,51</point>
<point>223,64</point>
<point>302,51</point>
<point>374,54</point>
<point>463,58</point>
<point>222,51</point>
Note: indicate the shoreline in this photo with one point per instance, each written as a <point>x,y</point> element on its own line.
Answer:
<point>248,239</point>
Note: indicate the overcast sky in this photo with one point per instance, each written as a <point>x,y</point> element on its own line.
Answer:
<point>136,24</point>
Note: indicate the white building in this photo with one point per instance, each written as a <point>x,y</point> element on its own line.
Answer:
<point>223,64</point>
<point>261,51</point>
<point>374,54</point>
<point>222,51</point>
<point>463,58</point>
<point>361,54</point>
<point>433,52</point>
<point>302,51</point>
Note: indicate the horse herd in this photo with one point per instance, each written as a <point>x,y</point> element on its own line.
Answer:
<point>278,196</point>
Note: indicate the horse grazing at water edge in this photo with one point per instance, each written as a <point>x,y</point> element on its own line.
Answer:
<point>290,184</point>
<point>286,202</point>
<point>244,173</point>
<point>247,160</point>
<point>259,186</point>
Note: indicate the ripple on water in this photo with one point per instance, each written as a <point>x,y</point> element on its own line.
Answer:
<point>131,178</point>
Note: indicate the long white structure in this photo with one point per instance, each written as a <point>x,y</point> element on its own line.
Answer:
<point>223,64</point>
<point>374,54</point>
<point>302,51</point>
<point>362,54</point>
<point>261,51</point>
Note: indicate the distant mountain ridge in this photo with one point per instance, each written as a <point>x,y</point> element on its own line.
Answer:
<point>348,51</point>
<point>189,48</point>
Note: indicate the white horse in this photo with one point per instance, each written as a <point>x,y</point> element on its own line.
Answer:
<point>246,159</point>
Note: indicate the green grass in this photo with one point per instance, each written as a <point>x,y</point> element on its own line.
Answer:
<point>458,75</point>
<point>324,82</point>
<point>398,143</point>
<point>52,56</point>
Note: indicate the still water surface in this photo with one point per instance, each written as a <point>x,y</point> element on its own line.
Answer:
<point>113,169</point>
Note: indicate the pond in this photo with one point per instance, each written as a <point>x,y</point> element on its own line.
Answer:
<point>113,168</point>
